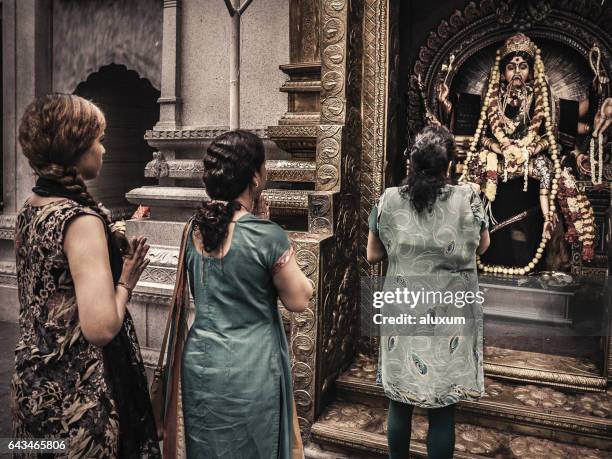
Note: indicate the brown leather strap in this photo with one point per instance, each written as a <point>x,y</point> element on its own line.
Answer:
<point>178,290</point>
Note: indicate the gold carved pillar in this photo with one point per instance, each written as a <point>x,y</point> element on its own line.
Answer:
<point>321,131</point>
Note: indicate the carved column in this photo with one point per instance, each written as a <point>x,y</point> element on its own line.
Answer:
<point>26,69</point>
<point>296,132</point>
<point>170,100</point>
<point>323,127</point>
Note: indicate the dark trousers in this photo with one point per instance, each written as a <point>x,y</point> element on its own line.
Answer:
<point>440,436</point>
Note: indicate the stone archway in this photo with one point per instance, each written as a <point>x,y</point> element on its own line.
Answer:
<point>130,106</point>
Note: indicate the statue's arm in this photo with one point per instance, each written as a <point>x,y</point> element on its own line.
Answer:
<point>443,96</point>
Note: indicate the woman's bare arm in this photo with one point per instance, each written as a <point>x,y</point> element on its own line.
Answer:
<point>294,288</point>
<point>101,306</point>
<point>485,240</point>
<point>376,250</point>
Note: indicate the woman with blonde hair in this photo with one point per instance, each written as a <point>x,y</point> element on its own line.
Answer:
<point>79,375</point>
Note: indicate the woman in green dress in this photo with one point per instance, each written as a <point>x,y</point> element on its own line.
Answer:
<point>237,397</point>
<point>431,231</point>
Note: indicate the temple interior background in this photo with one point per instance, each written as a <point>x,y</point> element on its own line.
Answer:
<point>338,89</point>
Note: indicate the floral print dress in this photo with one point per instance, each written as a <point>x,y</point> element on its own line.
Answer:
<point>432,251</point>
<point>60,389</point>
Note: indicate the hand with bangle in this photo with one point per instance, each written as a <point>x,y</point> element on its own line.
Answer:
<point>134,264</point>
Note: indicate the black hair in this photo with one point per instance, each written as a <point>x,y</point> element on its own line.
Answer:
<point>230,162</point>
<point>430,155</point>
<point>507,58</point>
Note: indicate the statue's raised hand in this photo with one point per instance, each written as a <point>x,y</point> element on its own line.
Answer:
<point>442,92</point>
<point>548,228</point>
<point>603,118</point>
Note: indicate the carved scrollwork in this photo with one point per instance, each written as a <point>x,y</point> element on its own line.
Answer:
<point>163,257</point>
<point>328,158</point>
<point>8,280</point>
<point>307,261</point>
<point>7,226</point>
<point>333,56</point>
<point>7,234</point>
<point>375,99</point>
<point>158,167</point>
<point>333,42</point>
<point>159,275</point>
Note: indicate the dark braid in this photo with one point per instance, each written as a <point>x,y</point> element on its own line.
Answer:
<point>55,131</point>
<point>230,162</point>
<point>433,149</point>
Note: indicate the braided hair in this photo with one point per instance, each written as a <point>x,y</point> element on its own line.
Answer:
<point>55,131</point>
<point>433,149</point>
<point>230,162</point>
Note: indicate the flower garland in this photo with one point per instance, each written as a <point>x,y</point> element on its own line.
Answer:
<point>490,175</point>
<point>542,114</point>
<point>577,214</point>
<point>596,179</point>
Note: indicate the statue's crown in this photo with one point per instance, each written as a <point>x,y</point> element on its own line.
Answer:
<point>518,42</point>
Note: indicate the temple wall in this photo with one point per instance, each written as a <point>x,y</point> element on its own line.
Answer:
<point>205,63</point>
<point>89,34</point>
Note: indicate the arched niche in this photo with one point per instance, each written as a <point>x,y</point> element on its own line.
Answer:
<point>565,32</point>
<point>130,106</point>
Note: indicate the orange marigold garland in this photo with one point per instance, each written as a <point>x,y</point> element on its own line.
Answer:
<point>577,214</point>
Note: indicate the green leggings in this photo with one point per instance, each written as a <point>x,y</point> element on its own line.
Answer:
<point>440,437</point>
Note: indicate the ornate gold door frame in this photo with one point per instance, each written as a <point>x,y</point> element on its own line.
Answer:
<point>477,26</point>
<point>379,108</point>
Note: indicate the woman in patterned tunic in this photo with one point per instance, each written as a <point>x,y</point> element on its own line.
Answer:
<point>431,231</point>
<point>79,376</point>
<point>231,374</point>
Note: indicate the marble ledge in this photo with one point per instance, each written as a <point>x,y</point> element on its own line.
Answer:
<point>160,233</point>
<point>187,137</point>
<point>155,293</point>
<point>278,170</point>
<point>167,196</point>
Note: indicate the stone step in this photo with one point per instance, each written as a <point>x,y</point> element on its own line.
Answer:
<point>167,196</point>
<point>177,203</point>
<point>581,418</point>
<point>360,430</point>
<point>278,170</point>
<point>570,373</point>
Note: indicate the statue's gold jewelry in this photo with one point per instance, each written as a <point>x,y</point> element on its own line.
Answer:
<point>543,144</point>
<point>596,179</point>
<point>542,116</point>
<point>517,43</point>
<point>543,192</point>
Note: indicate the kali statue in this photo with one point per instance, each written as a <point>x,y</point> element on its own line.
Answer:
<point>515,158</point>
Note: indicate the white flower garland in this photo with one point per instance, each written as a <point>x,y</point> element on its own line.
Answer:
<point>596,178</point>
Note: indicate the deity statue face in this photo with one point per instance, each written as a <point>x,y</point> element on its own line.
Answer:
<point>516,71</point>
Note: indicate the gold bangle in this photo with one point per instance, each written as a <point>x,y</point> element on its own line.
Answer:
<point>127,287</point>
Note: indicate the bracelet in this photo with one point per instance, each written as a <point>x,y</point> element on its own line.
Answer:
<point>125,286</point>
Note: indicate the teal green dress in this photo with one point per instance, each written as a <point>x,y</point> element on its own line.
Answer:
<point>236,376</point>
<point>433,366</point>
